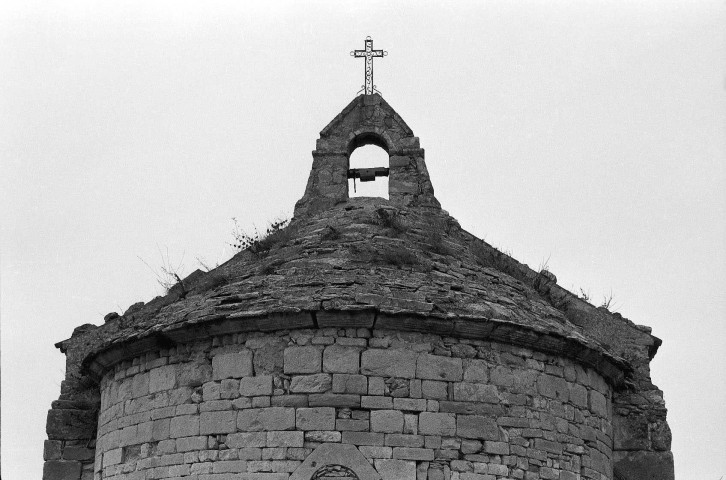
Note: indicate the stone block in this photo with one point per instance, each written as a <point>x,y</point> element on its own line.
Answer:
<point>436,367</point>
<point>268,354</point>
<point>229,466</point>
<point>415,387</point>
<point>348,383</point>
<point>162,378</point>
<point>317,383</point>
<point>434,389</point>
<point>475,392</point>
<point>502,376</point>
<point>598,403</point>
<point>252,476</point>
<point>52,450</point>
<point>397,363</point>
<point>376,402</point>
<point>551,386</point>
<point>285,439</point>
<point>476,371</point>
<point>475,426</point>
<point>346,424</point>
<point>78,452</point>
<point>160,429</point>
<point>184,426</point>
<point>496,448</point>
<point>435,473</point>
<point>408,453</point>
<point>166,446</point>
<point>144,432</point>
<point>660,435</point>
<point>289,401</point>
<point>229,388</point>
<point>410,404</point>
<point>322,436</point>
<point>546,473</point>
<point>247,440</point>
<point>210,391</point>
<point>432,441</point>
<point>249,453</point>
<point>644,465</point>
<point>193,374</point>
<point>376,386</point>
<point>70,424</point>
<point>63,470</point>
<point>140,385</point>
<point>212,423</point>
<point>631,432</point>
<point>498,470</point>
<point>470,446</point>
<point>265,419</point>
<point>274,453</point>
<point>396,469</point>
<point>422,469</point>
<point>547,445</point>
<point>302,360</point>
<point>340,359</point>
<point>319,418</point>
<point>363,438</point>
<point>410,423</point>
<point>443,424</point>
<point>403,440</point>
<point>480,476</point>
<point>112,457</point>
<point>564,475</point>
<point>232,365</point>
<point>255,386</point>
<point>334,400</point>
<point>376,452</point>
<point>212,406</point>
<point>191,444</point>
<point>387,421</point>
<point>578,395</point>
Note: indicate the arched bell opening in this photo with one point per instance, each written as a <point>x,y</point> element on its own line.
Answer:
<point>368,172</point>
<point>368,166</point>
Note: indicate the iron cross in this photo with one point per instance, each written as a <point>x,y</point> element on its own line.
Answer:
<point>369,53</point>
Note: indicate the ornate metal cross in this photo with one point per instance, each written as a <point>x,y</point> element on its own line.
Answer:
<point>369,53</point>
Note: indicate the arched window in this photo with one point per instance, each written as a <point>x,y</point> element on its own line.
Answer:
<point>367,157</point>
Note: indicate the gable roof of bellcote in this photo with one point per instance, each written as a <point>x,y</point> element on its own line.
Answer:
<point>401,264</point>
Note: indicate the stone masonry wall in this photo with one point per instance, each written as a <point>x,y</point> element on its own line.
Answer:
<point>417,406</point>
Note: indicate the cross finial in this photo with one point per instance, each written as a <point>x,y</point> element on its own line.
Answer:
<point>369,53</point>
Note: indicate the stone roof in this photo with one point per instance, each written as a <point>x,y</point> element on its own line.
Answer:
<point>401,264</point>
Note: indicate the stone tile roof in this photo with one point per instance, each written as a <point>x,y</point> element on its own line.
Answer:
<point>415,264</point>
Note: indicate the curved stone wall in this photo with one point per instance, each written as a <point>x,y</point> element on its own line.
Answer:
<point>415,406</point>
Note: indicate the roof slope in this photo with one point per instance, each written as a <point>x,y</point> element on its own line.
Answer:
<point>409,268</point>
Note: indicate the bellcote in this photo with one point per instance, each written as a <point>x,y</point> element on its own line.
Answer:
<point>367,120</point>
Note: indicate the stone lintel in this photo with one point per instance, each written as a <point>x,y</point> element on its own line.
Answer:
<point>346,319</point>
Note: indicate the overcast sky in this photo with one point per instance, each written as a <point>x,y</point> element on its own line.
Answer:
<point>589,133</point>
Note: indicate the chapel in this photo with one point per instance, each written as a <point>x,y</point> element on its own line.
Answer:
<point>369,339</point>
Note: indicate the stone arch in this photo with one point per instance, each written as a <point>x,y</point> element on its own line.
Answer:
<point>334,471</point>
<point>372,136</point>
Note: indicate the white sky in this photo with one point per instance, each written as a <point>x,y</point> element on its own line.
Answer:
<point>589,133</point>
